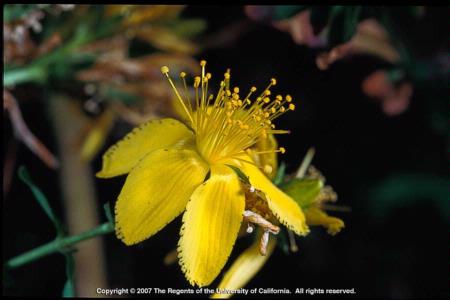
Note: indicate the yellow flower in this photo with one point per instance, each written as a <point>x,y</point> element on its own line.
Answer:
<point>193,167</point>
<point>310,194</point>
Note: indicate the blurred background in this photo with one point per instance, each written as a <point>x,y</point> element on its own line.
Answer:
<point>371,89</point>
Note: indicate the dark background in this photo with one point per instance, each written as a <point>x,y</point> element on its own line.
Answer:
<point>397,252</point>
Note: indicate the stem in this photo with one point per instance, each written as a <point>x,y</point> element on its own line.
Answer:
<point>57,245</point>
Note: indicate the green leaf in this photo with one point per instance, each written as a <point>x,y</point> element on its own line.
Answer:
<point>343,23</point>
<point>188,28</point>
<point>283,241</point>
<point>240,174</point>
<point>286,11</point>
<point>402,190</point>
<point>118,95</point>
<point>12,12</point>
<point>69,288</point>
<point>41,198</point>
<point>280,174</point>
<point>108,213</point>
<point>303,191</point>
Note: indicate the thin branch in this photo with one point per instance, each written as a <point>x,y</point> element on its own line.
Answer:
<point>57,245</point>
<point>23,133</point>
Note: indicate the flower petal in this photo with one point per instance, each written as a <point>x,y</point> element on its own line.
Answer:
<point>244,268</point>
<point>316,216</point>
<point>282,206</point>
<point>210,226</point>
<point>156,191</point>
<point>156,134</point>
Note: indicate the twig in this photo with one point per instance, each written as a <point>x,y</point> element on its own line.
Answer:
<point>23,133</point>
<point>56,245</point>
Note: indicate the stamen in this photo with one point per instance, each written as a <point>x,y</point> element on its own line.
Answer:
<point>252,217</point>
<point>165,71</point>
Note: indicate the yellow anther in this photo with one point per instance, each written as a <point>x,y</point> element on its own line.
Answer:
<point>268,93</point>
<point>164,69</point>
<point>236,90</point>
<point>248,101</point>
<point>291,106</point>
<point>273,81</point>
<point>279,97</point>
<point>266,100</point>
<point>235,96</point>
<point>288,98</point>
<point>208,75</point>
<point>228,92</point>
<point>272,126</point>
<point>253,89</point>
<point>203,63</point>
<point>266,114</point>
<point>197,81</point>
<point>182,74</point>
<point>282,150</point>
<point>240,102</point>
<point>227,75</point>
<point>273,109</point>
<point>282,109</point>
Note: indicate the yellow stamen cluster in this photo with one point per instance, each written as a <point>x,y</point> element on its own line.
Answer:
<point>228,124</point>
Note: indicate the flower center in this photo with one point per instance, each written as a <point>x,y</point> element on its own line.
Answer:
<point>227,124</point>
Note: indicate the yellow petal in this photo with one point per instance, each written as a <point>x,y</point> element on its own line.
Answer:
<point>156,191</point>
<point>156,134</point>
<point>244,268</point>
<point>316,216</point>
<point>210,226</point>
<point>282,206</point>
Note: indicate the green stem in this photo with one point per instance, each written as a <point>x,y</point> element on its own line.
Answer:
<point>57,245</point>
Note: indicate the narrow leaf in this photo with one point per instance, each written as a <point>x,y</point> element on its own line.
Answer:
<point>41,198</point>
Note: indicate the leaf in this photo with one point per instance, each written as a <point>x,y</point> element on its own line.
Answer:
<point>280,174</point>
<point>69,287</point>
<point>108,213</point>
<point>343,23</point>
<point>41,198</point>
<point>12,12</point>
<point>240,174</point>
<point>283,241</point>
<point>303,191</point>
<point>402,190</point>
<point>286,11</point>
<point>188,28</point>
<point>119,95</point>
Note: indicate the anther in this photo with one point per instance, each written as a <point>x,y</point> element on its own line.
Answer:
<point>282,150</point>
<point>164,69</point>
<point>182,74</point>
<point>288,98</point>
<point>273,81</point>
<point>203,63</point>
<point>291,106</point>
